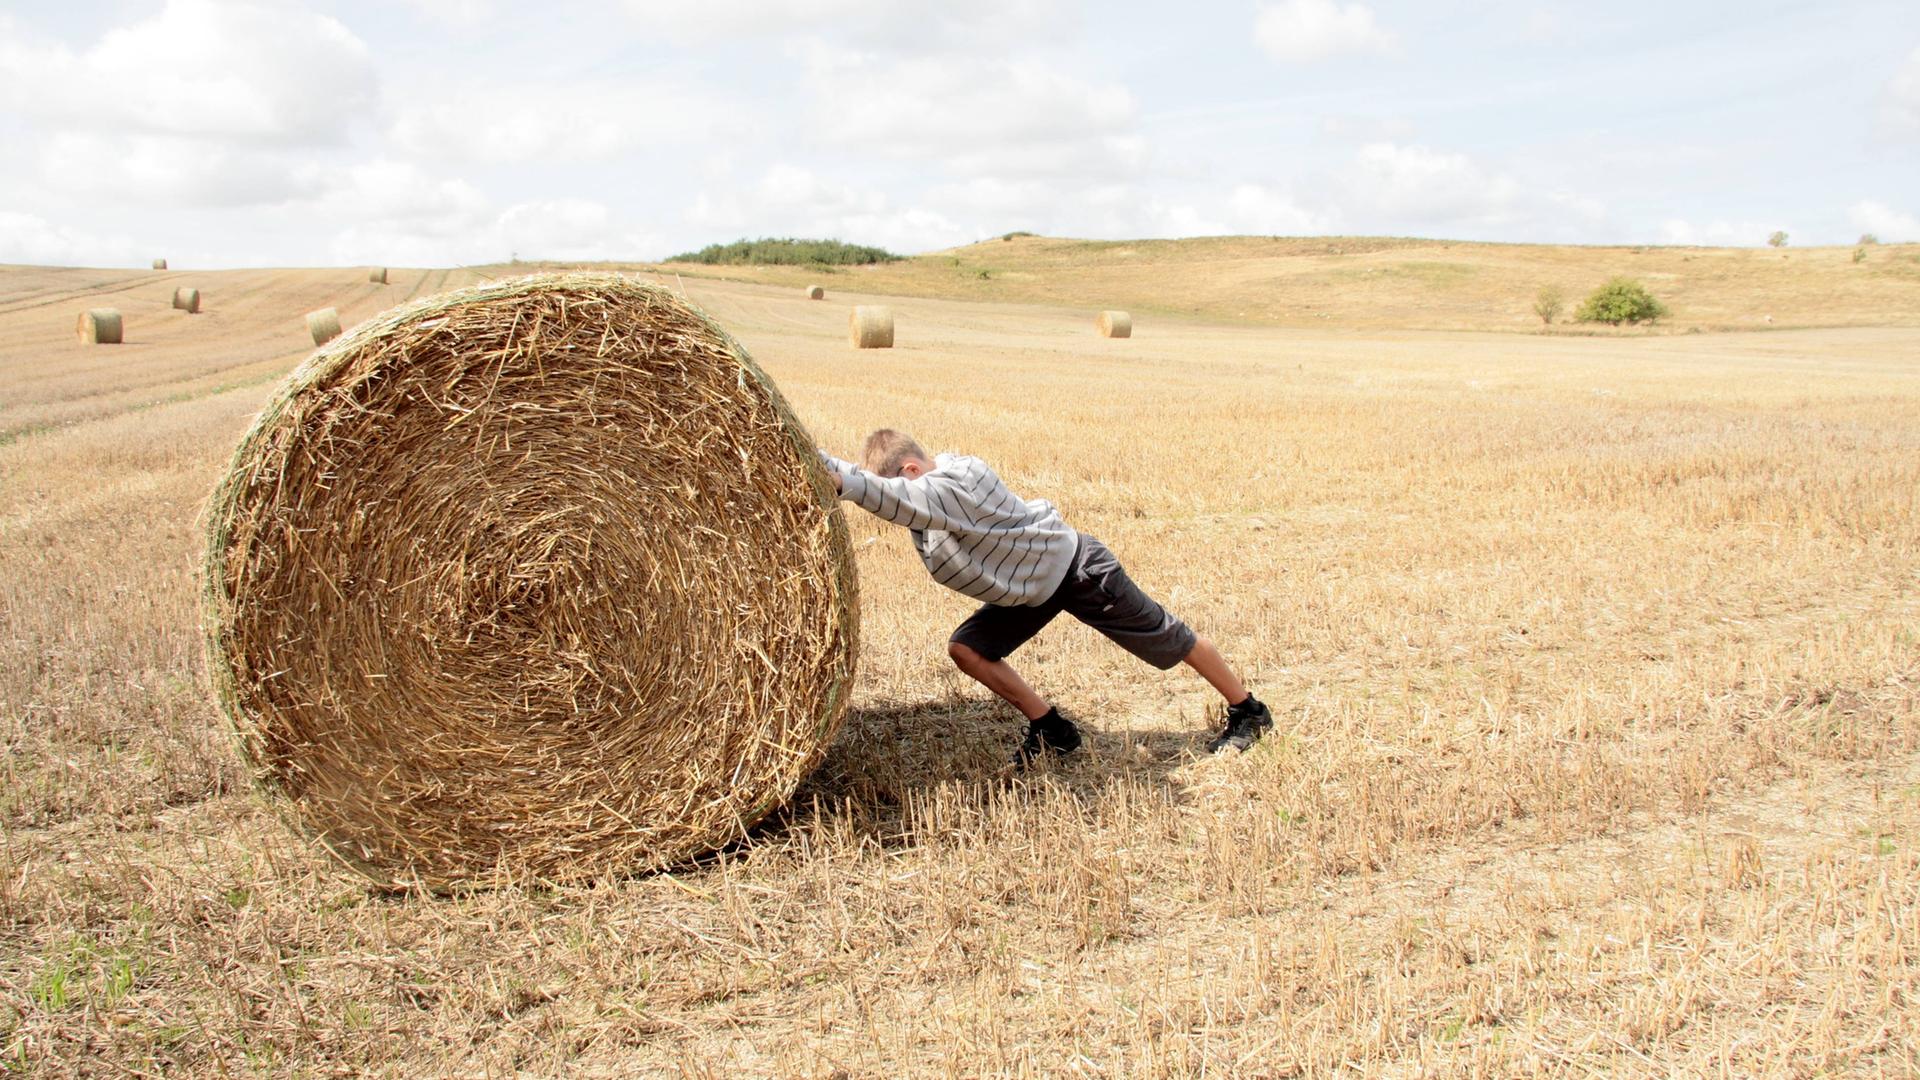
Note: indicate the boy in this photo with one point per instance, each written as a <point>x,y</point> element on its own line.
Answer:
<point>1026,565</point>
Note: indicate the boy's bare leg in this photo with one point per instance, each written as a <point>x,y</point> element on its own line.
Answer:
<point>1206,660</point>
<point>999,677</point>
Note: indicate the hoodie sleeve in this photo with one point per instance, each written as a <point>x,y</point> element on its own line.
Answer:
<point>938,500</point>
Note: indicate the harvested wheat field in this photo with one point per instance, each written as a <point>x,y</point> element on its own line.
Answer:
<point>1595,660</point>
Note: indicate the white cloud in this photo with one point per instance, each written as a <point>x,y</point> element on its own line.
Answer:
<point>552,123</point>
<point>1265,210</point>
<point>1389,187</point>
<point>976,115</point>
<point>1884,222</point>
<point>1365,129</point>
<point>232,69</point>
<point>29,238</point>
<point>1416,184</point>
<point>1900,100</point>
<point>904,25</point>
<point>157,170</point>
<point>465,232</point>
<point>1305,31</point>
<point>1717,233</point>
<point>395,191</point>
<point>454,12</point>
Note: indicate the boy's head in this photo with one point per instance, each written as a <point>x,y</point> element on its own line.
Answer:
<point>890,453</point>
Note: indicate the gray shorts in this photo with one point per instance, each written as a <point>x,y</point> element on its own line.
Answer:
<point>1098,592</point>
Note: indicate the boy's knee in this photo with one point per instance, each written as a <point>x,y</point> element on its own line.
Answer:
<point>963,655</point>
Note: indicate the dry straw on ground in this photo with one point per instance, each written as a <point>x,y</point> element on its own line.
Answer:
<point>324,325</point>
<point>159,264</point>
<point>99,326</point>
<point>187,300</point>
<point>377,275</point>
<point>534,579</point>
<point>815,292</point>
<point>871,327</point>
<point>1115,324</point>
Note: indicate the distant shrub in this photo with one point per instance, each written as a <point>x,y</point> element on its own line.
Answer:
<point>1017,234</point>
<point>1547,303</point>
<point>1868,238</point>
<point>1622,300</point>
<point>1778,238</point>
<point>785,252</point>
<point>1859,254</point>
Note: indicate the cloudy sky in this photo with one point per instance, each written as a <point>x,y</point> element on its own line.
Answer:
<point>438,132</point>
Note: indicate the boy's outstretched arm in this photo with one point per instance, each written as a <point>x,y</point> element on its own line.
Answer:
<point>932,501</point>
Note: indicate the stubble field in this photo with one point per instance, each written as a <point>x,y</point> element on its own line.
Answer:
<point>1596,663</point>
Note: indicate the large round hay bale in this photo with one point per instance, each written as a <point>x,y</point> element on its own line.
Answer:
<point>187,300</point>
<point>1115,324</point>
<point>99,326</point>
<point>377,275</point>
<point>815,292</point>
<point>324,325</point>
<point>871,327</point>
<point>534,580</point>
<point>159,264</point>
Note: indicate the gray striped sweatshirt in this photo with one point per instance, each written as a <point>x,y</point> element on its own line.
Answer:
<point>975,536</point>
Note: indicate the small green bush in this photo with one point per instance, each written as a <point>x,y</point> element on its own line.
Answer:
<point>1859,254</point>
<point>1778,238</point>
<point>1547,303</point>
<point>771,252</point>
<point>1017,234</point>
<point>1868,238</point>
<point>1622,300</point>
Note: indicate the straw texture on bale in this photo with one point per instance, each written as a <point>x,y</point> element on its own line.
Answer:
<point>1116,324</point>
<point>99,326</point>
<point>871,327</point>
<point>538,579</point>
<point>324,325</point>
<point>159,264</point>
<point>377,275</point>
<point>815,292</point>
<point>187,300</point>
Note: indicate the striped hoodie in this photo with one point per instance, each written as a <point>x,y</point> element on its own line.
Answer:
<point>973,534</point>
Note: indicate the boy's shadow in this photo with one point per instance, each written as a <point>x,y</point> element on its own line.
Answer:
<point>885,753</point>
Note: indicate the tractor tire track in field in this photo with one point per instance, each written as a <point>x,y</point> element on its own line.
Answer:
<point>66,295</point>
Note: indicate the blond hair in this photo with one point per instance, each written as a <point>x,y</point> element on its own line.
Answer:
<point>888,449</point>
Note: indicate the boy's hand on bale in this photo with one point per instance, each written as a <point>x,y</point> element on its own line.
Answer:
<point>833,468</point>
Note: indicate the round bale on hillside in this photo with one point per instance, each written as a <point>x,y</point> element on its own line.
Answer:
<point>1115,324</point>
<point>377,275</point>
<point>871,327</point>
<point>99,326</point>
<point>535,580</point>
<point>324,325</point>
<point>815,292</point>
<point>187,300</point>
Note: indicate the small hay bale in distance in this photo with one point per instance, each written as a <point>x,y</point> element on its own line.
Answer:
<point>187,300</point>
<point>99,326</point>
<point>870,327</point>
<point>534,580</point>
<point>377,275</point>
<point>815,292</point>
<point>1115,324</point>
<point>159,264</point>
<point>324,325</point>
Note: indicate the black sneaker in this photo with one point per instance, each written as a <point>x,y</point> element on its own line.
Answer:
<point>1246,722</point>
<point>1051,734</point>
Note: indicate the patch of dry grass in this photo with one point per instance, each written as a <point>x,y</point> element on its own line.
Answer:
<point>1378,283</point>
<point>1595,659</point>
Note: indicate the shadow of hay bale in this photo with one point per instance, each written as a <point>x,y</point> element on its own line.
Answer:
<point>889,755</point>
